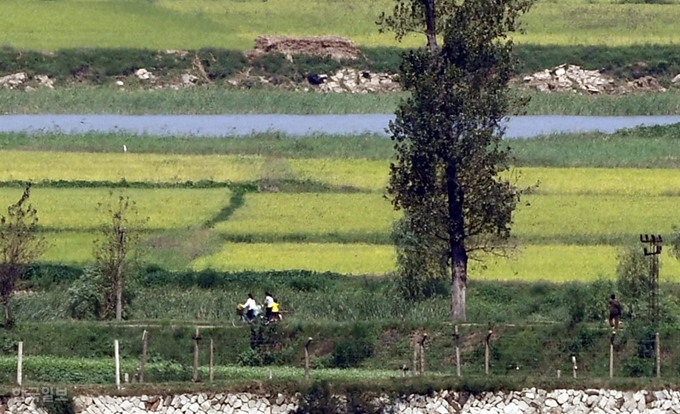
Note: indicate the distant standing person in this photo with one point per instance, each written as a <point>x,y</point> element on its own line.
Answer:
<point>268,303</point>
<point>250,306</point>
<point>614,312</point>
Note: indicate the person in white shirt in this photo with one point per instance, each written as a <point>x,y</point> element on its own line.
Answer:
<point>250,306</point>
<point>268,303</point>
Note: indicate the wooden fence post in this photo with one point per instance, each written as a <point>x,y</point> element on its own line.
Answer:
<point>611,354</point>
<point>20,363</point>
<point>457,338</point>
<point>415,356</point>
<point>116,355</point>
<point>145,345</point>
<point>197,338</point>
<point>657,350</point>
<point>486,352</point>
<point>422,354</point>
<point>309,341</point>
<point>212,360</point>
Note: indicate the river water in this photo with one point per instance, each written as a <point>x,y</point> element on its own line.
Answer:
<point>297,125</point>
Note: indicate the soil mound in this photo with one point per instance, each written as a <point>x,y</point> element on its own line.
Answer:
<point>337,48</point>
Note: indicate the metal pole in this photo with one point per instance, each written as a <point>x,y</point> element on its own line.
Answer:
<point>657,350</point>
<point>309,341</point>
<point>611,355</point>
<point>212,360</point>
<point>116,355</point>
<point>457,337</point>
<point>422,354</point>
<point>145,336</point>
<point>486,352</point>
<point>20,362</point>
<point>197,338</point>
<point>574,368</point>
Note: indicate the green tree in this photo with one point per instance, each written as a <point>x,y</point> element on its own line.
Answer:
<point>448,135</point>
<point>633,281</point>
<point>20,245</point>
<point>421,261</point>
<point>116,253</point>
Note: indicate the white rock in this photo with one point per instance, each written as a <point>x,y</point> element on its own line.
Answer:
<point>550,402</point>
<point>676,79</point>
<point>562,398</point>
<point>143,74</point>
<point>14,80</point>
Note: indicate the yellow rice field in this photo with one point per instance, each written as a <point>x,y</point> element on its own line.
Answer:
<point>557,263</point>
<point>77,209</point>
<point>315,213</point>
<point>363,174</point>
<point>358,259</point>
<point>558,219</point>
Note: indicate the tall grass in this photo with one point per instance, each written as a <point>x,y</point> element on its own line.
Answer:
<point>196,100</point>
<point>216,100</point>
<point>664,103</point>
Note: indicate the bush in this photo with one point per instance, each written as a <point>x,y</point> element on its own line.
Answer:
<point>357,346</point>
<point>86,296</point>
<point>221,63</point>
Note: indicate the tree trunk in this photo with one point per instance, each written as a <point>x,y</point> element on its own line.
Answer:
<point>430,26</point>
<point>5,305</point>
<point>119,295</point>
<point>458,286</point>
<point>119,275</point>
<point>457,253</point>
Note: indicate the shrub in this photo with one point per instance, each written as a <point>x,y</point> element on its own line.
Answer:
<point>221,63</point>
<point>355,347</point>
<point>86,296</point>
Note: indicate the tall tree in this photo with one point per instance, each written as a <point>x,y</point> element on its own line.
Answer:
<point>20,245</point>
<point>427,17</point>
<point>448,136</point>
<point>115,253</point>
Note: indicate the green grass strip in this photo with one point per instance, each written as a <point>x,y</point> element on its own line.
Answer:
<point>214,100</point>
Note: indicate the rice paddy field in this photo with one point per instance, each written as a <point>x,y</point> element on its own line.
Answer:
<point>176,24</point>
<point>252,205</point>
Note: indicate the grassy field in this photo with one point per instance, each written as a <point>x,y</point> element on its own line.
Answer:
<point>317,203</point>
<point>173,24</point>
<point>215,100</point>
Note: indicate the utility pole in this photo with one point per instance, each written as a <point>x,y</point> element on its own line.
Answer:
<point>653,251</point>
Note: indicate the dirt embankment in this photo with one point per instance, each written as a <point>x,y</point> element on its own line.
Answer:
<point>348,73</point>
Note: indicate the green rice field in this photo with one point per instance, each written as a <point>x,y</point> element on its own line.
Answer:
<point>175,24</point>
<point>262,208</point>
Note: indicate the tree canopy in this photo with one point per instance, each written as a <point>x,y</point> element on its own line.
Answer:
<point>448,138</point>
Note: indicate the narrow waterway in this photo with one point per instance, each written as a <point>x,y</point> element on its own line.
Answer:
<point>297,125</point>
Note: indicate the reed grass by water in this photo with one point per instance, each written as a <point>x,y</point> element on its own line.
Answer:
<point>215,100</point>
